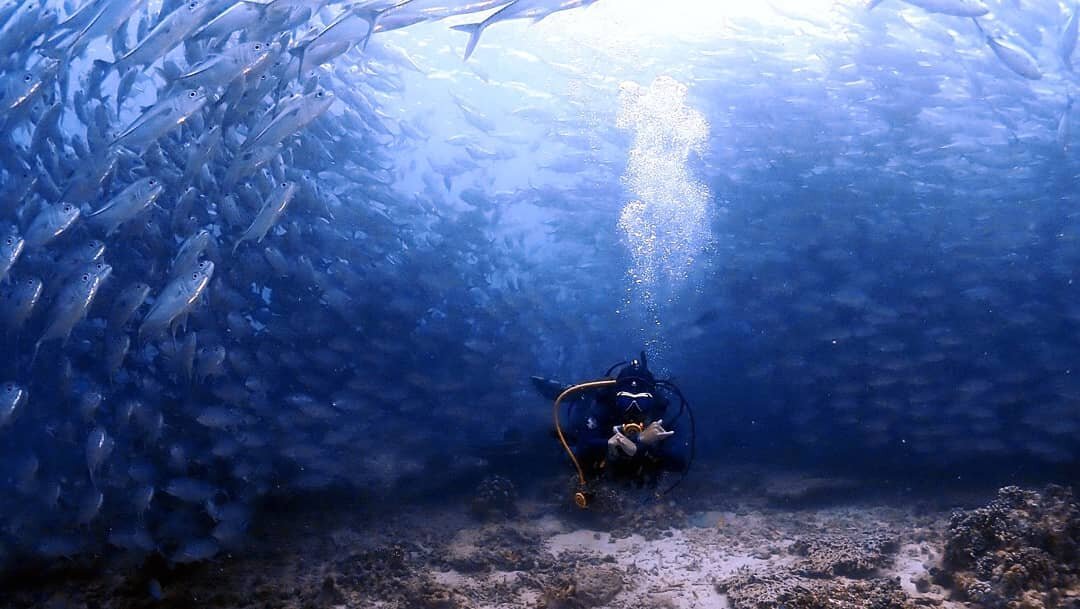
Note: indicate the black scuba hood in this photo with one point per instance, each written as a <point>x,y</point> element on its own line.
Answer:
<point>635,376</point>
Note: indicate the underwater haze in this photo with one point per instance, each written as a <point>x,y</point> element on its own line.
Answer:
<point>266,250</point>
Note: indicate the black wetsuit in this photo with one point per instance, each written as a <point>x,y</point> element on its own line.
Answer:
<point>593,428</point>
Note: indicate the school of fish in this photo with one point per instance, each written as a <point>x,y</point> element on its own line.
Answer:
<point>194,309</point>
<point>214,286</point>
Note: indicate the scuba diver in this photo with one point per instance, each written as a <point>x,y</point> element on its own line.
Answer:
<point>625,433</point>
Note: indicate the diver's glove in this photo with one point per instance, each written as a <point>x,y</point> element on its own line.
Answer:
<point>619,445</point>
<point>654,433</point>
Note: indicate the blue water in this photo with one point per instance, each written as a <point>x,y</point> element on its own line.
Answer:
<point>846,234</point>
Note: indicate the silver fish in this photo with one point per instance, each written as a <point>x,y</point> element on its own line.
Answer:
<point>47,130</point>
<point>239,17</point>
<point>353,26</point>
<point>209,362</point>
<point>50,223</point>
<point>72,304</point>
<point>21,86</point>
<point>131,201</point>
<point>90,178</point>
<point>98,448</point>
<point>269,214</point>
<point>239,61</point>
<point>187,257</point>
<point>79,257</point>
<point>105,22</point>
<point>201,152</point>
<point>32,19</point>
<point>1064,126</point>
<point>163,117</point>
<point>116,350</point>
<point>169,32</point>
<point>130,299</point>
<point>19,302</point>
<point>1015,58</point>
<point>190,490</point>
<point>246,163</point>
<point>176,299</point>
<point>520,9</point>
<point>296,117</point>
<point>1067,42</point>
<point>11,247</point>
<point>12,399</point>
<point>956,8</point>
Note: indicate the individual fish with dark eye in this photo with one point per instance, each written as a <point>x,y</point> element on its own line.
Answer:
<point>127,205</point>
<point>248,162</point>
<point>11,247</point>
<point>352,27</point>
<point>173,29</point>
<point>201,152</point>
<point>72,304</point>
<point>269,214</point>
<point>237,62</point>
<point>176,300</point>
<point>18,302</point>
<point>71,261</point>
<point>295,117</point>
<point>12,400</point>
<point>19,87</point>
<point>241,16</point>
<point>31,20</point>
<point>21,182</point>
<point>51,222</point>
<point>163,117</point>
<point>189,252</point>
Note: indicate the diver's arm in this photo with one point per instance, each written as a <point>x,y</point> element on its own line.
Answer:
<point>672,453</point>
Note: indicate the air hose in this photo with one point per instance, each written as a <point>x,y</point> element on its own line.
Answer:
<point>580,498</point>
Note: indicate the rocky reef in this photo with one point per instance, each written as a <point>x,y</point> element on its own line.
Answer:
<point>829,555</point>
<point>779,587</point>
<point>1022,551</point>
<point>827,570</point>
<point>495,498</point>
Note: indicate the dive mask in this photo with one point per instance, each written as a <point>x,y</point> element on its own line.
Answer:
<point>634,406</point>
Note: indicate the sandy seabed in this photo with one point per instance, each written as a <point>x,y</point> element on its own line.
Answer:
<point>741,540</point>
